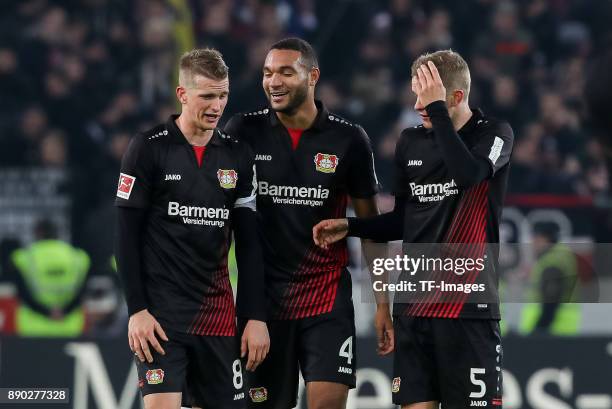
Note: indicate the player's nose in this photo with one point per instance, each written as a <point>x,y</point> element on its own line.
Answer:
<point>216,105</point>
<point>418,106</point>
<point>275,81</point>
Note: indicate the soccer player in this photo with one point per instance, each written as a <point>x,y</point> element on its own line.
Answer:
<point>184,186</point>
<point>309,161</point>
<point>451,176</point>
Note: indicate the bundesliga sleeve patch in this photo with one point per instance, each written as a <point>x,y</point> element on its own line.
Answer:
<point>325,162</point>
<point>126,183</point>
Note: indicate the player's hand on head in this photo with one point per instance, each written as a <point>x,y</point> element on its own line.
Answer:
<point>428,85</point>
<point>329,231</point>
<point>384,330</point>
<point>256,342</point>
<point>142,331</point>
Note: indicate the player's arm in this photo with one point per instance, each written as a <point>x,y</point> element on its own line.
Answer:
<point>466,166</point>
<point>251,301</point>
<point>132,202</point>
<point>380,228</point>
<point>363,186</point>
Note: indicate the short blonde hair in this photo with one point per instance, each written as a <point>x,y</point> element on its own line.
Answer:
<point>207,62</point>
<point>453,69</point>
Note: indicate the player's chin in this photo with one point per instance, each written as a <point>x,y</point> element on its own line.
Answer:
<point>426,123</point>
<point>278,106</point>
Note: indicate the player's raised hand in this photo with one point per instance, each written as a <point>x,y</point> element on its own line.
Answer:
<point>384,330</point>
<point>427,84</point>
<point>142,328</point>
<point>256,342</point>
<point>329,231</point>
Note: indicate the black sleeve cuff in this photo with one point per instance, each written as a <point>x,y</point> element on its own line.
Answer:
<point>437,108</point>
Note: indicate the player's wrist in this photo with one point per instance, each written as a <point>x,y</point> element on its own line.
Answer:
<point>351,225</point>
<point>139,311</point>
<point>436,107</point>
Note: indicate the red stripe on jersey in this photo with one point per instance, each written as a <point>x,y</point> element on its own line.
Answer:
<point>314,285</point>
<point>464,218</point>
<point>217,313</point>
<point>476,237</point>
<point>467,227</point>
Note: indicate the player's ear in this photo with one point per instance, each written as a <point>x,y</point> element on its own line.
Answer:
<point>313,76</point>
<point>457,97</point>
<point>181,94</point>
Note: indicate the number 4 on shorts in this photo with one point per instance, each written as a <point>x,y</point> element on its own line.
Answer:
<point>346,350</point>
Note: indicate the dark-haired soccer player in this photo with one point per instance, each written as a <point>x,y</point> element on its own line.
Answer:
<point>184,185</point>
<point>309,162</point>
<point>451,176</point>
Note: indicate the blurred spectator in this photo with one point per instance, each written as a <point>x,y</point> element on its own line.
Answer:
<point>552,285</point>
<point>50,276</point>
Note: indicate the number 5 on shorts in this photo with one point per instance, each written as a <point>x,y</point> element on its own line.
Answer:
<point>237,369</point>
<point>478,382</point>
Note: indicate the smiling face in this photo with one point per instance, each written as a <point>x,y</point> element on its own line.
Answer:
<point>286,80</point>
<point>203,101</point>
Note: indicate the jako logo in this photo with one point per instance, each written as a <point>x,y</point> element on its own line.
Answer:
<point>173,176</point>
<point>414,162</point>
<point>263,157</point>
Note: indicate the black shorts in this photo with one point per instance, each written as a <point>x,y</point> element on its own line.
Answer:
<point>323,347</point>
<point>456,362</point>
<point>207,369</point>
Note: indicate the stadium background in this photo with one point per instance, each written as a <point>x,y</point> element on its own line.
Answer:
<point>78,77</point>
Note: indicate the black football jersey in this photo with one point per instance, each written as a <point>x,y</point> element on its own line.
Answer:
<point>187,232</point>
<point>297,189</point>
<point>439,211</point>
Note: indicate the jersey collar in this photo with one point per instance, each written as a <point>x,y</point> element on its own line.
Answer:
<point>471,124</point>
<point>320,121</point>
<point>178,137</point>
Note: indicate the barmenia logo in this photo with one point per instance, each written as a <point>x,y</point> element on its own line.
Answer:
<point>297,195</point>
<point>433,192</point>
<point>203,216</point>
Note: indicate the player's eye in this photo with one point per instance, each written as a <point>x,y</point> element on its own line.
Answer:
<point>267,74</point>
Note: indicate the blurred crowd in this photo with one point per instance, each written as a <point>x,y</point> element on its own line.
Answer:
<point>78,77</point>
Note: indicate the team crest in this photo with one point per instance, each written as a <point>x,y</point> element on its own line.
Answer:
<point>155,376</point>
<point>124,188</point>
<point>227,178</point>
<point>258,394</point>
<point>326,162</point>
<point>395,386</point>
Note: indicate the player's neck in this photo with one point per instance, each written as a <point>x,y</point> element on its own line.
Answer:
<point>461,116</point>
<point>194,135</point>
<point>302,118</point>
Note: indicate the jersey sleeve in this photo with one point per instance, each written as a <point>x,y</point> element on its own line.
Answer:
<point>246,186</point>
<point>495,146</point>
<point>136,177</point>
<point>401,186</point>
<point>362,180</point>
